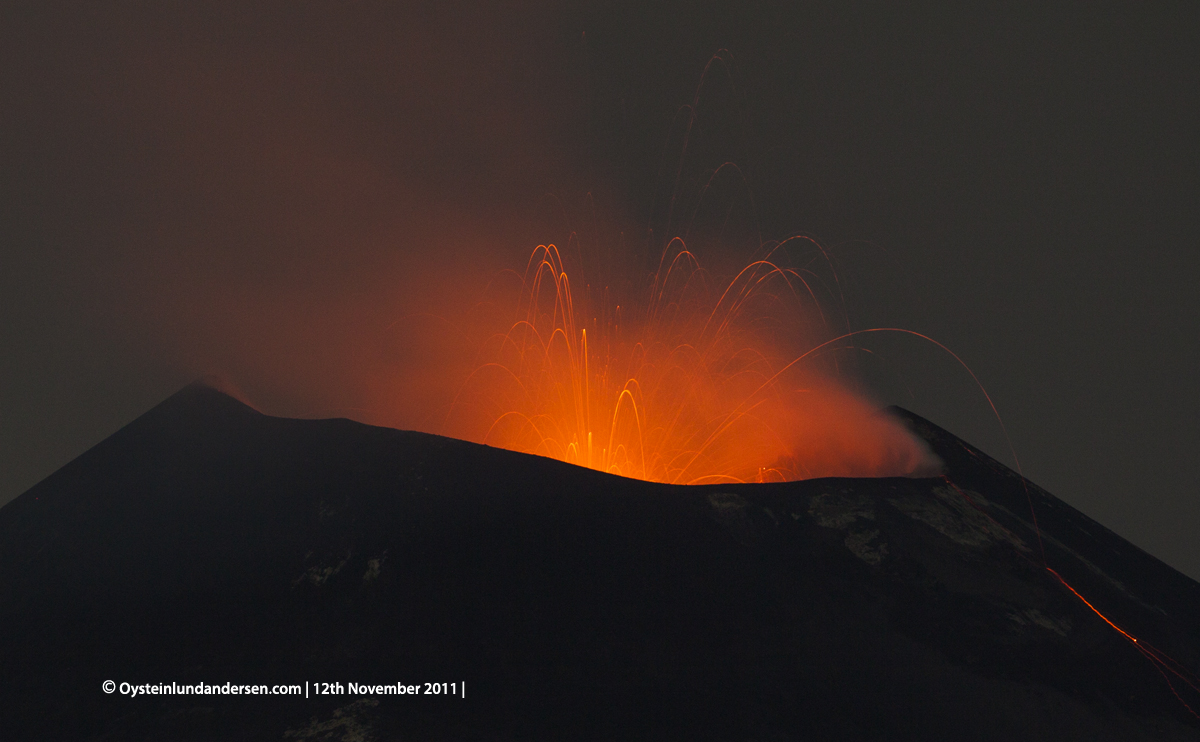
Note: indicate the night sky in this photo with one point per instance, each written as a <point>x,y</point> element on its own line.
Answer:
<point>272,191</point>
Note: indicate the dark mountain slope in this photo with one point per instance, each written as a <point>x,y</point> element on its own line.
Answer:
<point>206,542</point>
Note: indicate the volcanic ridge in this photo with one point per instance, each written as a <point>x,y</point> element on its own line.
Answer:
<point>208,543</point>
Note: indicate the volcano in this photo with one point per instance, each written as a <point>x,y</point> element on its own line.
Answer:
<point>206,543</point>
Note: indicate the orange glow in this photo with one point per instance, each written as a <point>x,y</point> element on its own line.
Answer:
<point>686,385</point>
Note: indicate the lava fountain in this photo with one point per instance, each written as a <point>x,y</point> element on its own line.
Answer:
<point>692,382</point>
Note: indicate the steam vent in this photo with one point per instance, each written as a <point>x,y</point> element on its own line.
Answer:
<point>208,543</point>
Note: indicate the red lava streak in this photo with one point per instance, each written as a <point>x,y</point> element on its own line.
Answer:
<point>1163,663</point>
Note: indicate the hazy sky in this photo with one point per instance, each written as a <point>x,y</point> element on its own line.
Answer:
<point>268,191</point>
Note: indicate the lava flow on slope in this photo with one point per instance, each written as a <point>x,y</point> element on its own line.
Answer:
<point>206,543</point>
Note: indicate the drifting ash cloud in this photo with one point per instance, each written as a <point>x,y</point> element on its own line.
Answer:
<point>274,195</point>
<point>263,191</point>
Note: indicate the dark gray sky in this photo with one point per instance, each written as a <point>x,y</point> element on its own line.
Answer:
<point>263,189</point>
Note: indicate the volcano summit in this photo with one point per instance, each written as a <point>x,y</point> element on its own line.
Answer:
<point>206,543</point>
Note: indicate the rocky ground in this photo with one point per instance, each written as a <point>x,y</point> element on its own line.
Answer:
<point>206,542</point>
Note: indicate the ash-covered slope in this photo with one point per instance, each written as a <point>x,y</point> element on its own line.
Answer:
<point>206,542</point>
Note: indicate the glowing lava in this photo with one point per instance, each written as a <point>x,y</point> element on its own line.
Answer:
<point>689,385</point>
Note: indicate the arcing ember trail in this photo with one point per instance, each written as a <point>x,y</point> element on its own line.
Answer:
<point>686,384</point>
